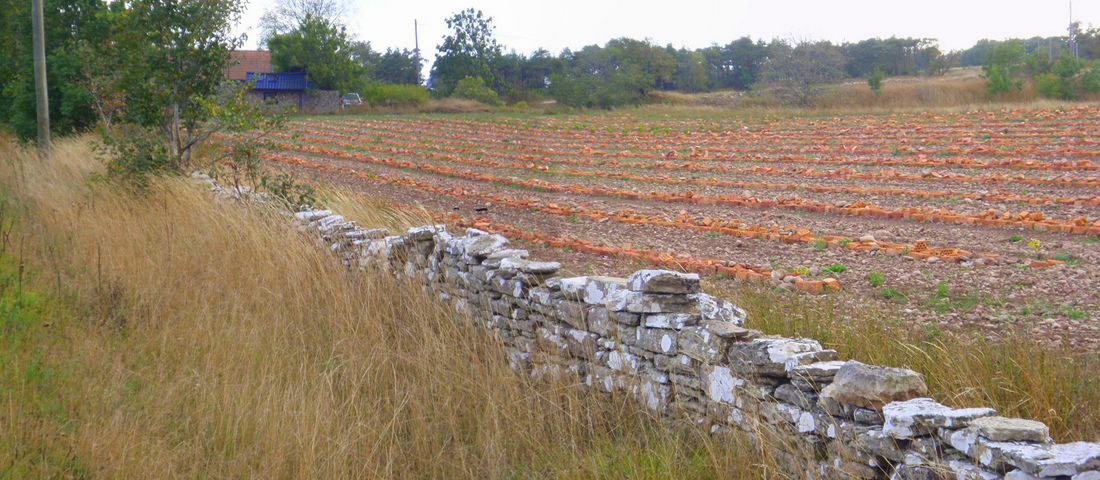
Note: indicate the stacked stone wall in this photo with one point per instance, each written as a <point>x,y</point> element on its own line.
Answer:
<point>687,355</point>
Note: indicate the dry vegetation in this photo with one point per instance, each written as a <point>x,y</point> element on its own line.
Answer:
<point>900,94</point>
<point>172,335</point>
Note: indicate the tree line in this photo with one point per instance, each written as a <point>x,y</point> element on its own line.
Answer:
<point>100,61</point>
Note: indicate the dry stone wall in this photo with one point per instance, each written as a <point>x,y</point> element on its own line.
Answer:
<point>685,354</point>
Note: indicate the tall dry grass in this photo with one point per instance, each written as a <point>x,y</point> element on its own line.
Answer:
<point>192,337</point>
<point>1014,374</point>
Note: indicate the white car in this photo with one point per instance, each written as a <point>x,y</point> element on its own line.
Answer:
<point>350,99</point>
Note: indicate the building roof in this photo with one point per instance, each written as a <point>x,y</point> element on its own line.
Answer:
<point>241,62</point>
<point>279,81</point>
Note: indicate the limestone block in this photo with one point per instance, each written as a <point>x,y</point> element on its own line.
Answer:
<point>663,281</point>
<point>872,387</point>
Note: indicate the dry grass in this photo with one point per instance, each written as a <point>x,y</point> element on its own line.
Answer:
<point>173,335</point>
<point>1013,374</point>
<point>898,95</point>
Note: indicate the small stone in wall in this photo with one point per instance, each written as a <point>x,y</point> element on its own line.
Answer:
<point>637,302</point>
<point>1001,429</point>
<point>663,281</point>
<point>774,357</point>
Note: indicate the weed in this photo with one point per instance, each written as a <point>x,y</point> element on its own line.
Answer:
<point>713,234</point>
<point>835,268</point>
<point>876,279</point>
<point>820,245</point>
<point>844,242</point>
<point>1015,238</point>
<point>1069,258</point>
<point>892,293</point>
<point>943,290</point>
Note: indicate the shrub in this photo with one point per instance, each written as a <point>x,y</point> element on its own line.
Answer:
<point>133,154</point>
<point>388,95</point>
<point>474,88</point>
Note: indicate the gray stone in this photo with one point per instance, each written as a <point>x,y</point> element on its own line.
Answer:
<point>663,281</point>
<point>529,267</point>
<point>483,245</point>
<point>1042,460</point>
<point>872,387</point>
<point>878,443</point>
<point>922,416</point>
<point>776,356</point>
<point>1001,429</point>
<point>637,302</point>
<point>814,376</point>
<point>720,311</point>
<point>591,290</point>
<point>675,321</point>
<point>700,343</point>
<point>600,322</point>
<point>732,332</point>
<point>788,393</point>
<point>969,471</point>
<point>427,232</point>
<point>657,340</point>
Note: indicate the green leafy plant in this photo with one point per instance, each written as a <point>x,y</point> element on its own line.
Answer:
<point>835,268</point>
<point>943,290</point>
<point>876,279</point>
<point>1015,238</point>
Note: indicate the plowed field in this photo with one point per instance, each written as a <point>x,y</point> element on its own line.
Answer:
<point>979,220</point>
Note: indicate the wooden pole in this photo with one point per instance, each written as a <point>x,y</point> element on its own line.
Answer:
<point>41,89</point>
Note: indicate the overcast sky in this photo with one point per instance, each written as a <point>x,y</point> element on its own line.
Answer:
<point>559,24</point>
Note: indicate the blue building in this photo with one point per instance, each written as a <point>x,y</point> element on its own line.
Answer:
<point>281,86</point>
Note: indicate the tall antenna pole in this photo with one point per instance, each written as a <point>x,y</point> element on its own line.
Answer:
<point>41,92</point>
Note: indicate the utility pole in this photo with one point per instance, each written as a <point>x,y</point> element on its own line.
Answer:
<point>41,91</point>
<point>1072,33</point>
<point>416,48</point>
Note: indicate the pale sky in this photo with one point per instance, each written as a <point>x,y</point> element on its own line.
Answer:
<point>559,24</point>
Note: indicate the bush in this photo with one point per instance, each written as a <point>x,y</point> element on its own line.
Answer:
<point>133,154</point>
<point>387,95</point>
<point>473,88</point>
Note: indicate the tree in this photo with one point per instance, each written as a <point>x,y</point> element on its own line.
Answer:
<point>322,49</point>
<point>620,73</point>
<point>796,72</point>
<point>397,67</point>
<point>287,15</point>
<point>1003,68</point>
<point>68,23</point>
<point>875,82</point>
<point>469,51</point>
<point>473,88</point>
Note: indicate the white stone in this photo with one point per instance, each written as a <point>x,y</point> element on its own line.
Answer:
<point>921,416</point>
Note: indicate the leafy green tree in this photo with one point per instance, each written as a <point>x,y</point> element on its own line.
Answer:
<point>474,88</point>
<point>1004,68</point>
<point>795,73</point>
<point>1065,80</point>
<point>469,51</point>
<point>68,24</point>
<point>874,80</point>
<point>401,67</point>
<point>174,54</point>
<point>321,49</point>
